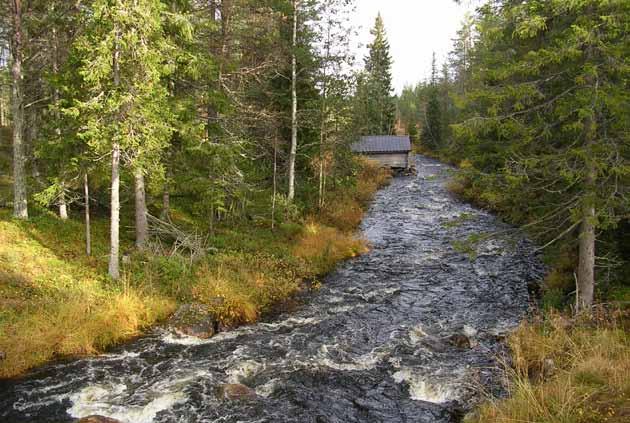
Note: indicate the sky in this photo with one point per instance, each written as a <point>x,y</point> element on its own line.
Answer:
<point>415,28</point>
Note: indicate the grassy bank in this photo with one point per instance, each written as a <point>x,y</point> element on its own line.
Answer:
<point>566,371</point>
<point>55,301</point>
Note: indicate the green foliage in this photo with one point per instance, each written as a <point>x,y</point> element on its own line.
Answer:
<point>375,109</point>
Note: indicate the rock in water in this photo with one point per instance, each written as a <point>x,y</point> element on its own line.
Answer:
<point>460,341</point>
<point>194,320</point>
<point>235,392</point>
<point>97,419</point>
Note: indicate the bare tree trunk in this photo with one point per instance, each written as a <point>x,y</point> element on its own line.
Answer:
<point>88,229</point>
<point>114,265</point>
<point>586,265</point>
<point>166,204</point>
<point>2,112</point>
<point>114,270</point>
<point>586,260</point>
<point>20,202</point>
<point>142,227</point>
<point>294,123</point>
<point>63,204</point>
<point>275,183</point>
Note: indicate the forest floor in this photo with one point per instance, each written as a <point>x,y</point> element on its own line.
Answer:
<point>57,302</point>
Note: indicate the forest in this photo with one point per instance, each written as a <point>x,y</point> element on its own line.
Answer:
<point>160,153</point>
<point>171,151</point>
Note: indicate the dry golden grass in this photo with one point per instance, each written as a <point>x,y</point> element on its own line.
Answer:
<point>566,372</point>
<point>239,288</point>
<point>344,209</point>
<point>322,247</point>
<point>50,307</point>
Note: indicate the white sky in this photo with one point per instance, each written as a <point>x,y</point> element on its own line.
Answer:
<point>415,28</point>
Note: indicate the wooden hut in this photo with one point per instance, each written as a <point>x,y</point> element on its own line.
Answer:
<point>389,150</point>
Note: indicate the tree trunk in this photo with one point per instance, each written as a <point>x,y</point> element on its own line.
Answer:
<point>275,183</point>
<point>114,270</point>
<point>586,263</point>
<point>114,242</point>
<point>294,128</point>
<point>63,204</point>
<point>142,226</point>
<point>88,229</point>
<point>166,205</point>
<point>20,202</point>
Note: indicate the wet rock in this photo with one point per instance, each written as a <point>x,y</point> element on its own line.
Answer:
<point>548,368</point>
<point>235,392</point>
<point>460,341</point>
<point>97,419</point>
<point>434,344</point>
<point>194,320</point>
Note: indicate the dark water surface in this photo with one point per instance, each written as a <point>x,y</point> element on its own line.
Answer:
<point>371,346</point>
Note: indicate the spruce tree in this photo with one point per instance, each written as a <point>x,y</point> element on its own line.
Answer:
<point>378,104</point>
<point>432,130</point>
<point>552,119</point>
<point>124,110</point>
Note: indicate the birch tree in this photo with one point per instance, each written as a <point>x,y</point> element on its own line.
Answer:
<point>20,201</point>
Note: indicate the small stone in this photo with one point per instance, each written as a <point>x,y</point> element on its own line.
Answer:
<point>97,419</point>
<point>460,341</point>
<point>235,392</point>
<point>548,368</point>
<point>3,355</point>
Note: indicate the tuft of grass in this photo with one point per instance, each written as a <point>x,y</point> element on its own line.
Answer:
<point>240,287</point>
<point>566,371</point>
<point>322,247</point>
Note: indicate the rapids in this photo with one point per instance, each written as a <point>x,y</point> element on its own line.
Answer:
<point>374,344</point>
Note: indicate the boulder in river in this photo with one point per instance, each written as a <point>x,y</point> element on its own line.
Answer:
<point>97,419</point>
<point>235,392</point>
<point>194,320</point>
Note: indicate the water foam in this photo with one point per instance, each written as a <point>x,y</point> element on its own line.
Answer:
<point>420,389</point>
<point>96,400</point>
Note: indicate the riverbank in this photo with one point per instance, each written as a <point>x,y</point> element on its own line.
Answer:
<point>566,370</point>
<point>57,302</point>
<point>562,368</point>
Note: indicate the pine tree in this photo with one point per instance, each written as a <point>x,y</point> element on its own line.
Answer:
<point>377,105</point>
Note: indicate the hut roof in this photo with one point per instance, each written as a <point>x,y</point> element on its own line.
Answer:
<point>382,144</point>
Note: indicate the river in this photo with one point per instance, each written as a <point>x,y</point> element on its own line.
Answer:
<point>409,332</point>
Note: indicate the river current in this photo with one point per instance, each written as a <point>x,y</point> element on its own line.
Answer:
<point>409,332</point>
